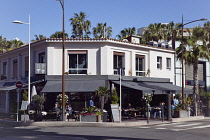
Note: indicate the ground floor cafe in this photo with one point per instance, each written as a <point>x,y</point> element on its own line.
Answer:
<point>81,89</point>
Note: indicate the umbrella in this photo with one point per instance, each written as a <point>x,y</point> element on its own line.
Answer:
<point>112,88</point>
<point>33,91</point>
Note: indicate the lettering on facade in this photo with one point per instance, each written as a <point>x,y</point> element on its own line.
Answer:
<point>40,68</point>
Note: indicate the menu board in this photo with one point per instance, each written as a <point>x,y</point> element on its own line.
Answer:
<point>115,112</point>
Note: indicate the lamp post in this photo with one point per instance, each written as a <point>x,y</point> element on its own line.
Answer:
<point>63,63</point>
<point>29,56</point>
<point>182,25</point>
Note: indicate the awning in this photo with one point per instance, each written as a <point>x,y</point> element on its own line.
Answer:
<point>8,88</point>
<point>167,87</point>
<point>150,87</point>
<point>135,85</point>
<point>73,86</point>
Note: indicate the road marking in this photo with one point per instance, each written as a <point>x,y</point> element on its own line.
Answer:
<point>144,127</point>
<point>168,124</point>
<point>204,126</point>
<point>160,128</point>
<point>177,129</point>
<point>186,125</point>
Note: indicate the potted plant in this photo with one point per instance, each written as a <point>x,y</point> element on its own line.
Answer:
<point>59,100</point>
<point>90,114</point>
<point>182,109</point>
<point>101,92</point>
<point>37,105</point>
<point>148,98</point>
<point>24,116</point>
<point>206,95</point>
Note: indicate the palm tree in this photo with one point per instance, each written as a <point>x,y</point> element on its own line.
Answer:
<point>3,44</point>
<point>80,26</point>
<point>102,92</point>
<point>126,33</point>
<point>192,54</point>
<point>16,43</point>
<point>59,35</point>
<point>38,37</point>
<point>102,31</point>
<point>207,28</point>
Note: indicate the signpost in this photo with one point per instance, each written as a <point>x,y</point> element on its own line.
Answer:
<point>19,85</point>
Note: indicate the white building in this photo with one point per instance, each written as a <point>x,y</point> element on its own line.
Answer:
<point>90,63</point>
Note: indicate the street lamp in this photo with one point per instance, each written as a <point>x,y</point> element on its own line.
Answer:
<point>29,55</point>
<point>182,25</point>
<point>63,64</point>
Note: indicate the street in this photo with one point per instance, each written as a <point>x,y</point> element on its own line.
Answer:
<point>193,130</point>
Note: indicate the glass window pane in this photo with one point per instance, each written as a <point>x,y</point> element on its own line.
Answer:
<point>82,61</point>
<point>115,62</point>
<point>72,60</point>
<point>120,61</point>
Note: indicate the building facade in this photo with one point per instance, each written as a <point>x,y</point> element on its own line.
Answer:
<point>83,58</point>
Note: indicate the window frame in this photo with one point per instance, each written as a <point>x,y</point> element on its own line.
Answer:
<point>159,62</point>
<point>168,65</point>
<point>115,68</point>
<point>137,65</point>
<point>77,69</point>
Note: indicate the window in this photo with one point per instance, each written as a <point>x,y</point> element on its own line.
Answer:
<point>140,65</point>
<point>42,57</point>
<point>159,62</point>
<point>15,68</point>
<point>26,66</point>
<point>168,63</point>
<point>119,61</point>
<point>4,68</point>
<point>77,62</point>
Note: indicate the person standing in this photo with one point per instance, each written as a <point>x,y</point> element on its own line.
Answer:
<point>91,102</point>
<point>175,101</point>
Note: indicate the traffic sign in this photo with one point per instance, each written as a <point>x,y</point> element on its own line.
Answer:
<point>19,84</point>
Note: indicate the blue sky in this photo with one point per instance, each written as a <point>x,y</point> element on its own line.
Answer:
<point>46,15</point>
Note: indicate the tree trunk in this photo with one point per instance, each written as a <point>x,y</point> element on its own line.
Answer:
<point>102,103</point>
<point>195,89</point>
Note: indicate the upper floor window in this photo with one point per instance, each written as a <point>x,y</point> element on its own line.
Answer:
<point>77,62</point>
<point>42,57</point>
<point>15,68</point>
<point>4,68</point>
<point>159,62</point>
<point>168,63</point>
<point>26,66</point>
<point>119,61</point>
<point>140,65</point>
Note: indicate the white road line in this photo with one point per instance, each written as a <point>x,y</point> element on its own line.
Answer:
<point>186,125</point>
<point>177,129</point>
<point>168,124</point>
<point>144,127</point>
<point>160,128</point>
<point>204,126</point>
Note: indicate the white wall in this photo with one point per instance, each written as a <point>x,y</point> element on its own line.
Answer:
<point>163,73</point>
<point>100,58</point>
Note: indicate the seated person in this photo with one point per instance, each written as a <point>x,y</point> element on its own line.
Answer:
<point>57,110</point>
<point>68,111</point>
<point>158,110</point>
<point>129,108</point>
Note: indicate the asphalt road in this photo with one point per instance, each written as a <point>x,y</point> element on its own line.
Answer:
<point>193,130</point>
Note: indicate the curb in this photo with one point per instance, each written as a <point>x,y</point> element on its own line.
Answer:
<point>95,124</point>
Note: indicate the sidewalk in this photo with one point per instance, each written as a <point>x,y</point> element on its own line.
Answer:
<point>13,123</point>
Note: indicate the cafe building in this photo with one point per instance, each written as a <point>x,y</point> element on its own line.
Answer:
<point>89,64</point>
